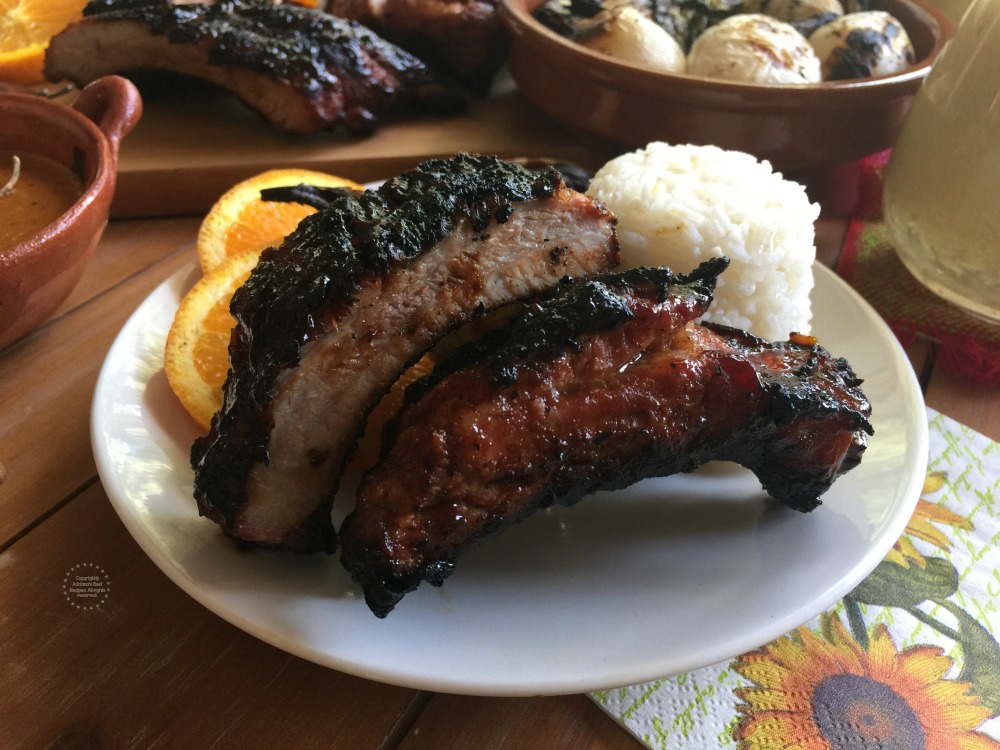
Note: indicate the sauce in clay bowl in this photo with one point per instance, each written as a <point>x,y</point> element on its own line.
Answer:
<point>38,271</point>
<point>40,191</point>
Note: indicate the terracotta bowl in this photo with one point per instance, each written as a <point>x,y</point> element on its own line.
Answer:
<point>793,127</point>
<point>36,275</point>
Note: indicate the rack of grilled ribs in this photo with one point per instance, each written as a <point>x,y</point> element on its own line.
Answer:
<point>358,292</point>
<point>464,39</point>
<point>605,383</point>
<point>301,69</point>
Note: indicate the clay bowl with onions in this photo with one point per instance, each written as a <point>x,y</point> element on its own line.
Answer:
<point>69,155</point>
<point>802,126</point>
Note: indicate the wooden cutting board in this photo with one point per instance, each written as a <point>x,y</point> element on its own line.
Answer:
<point>195,142</point>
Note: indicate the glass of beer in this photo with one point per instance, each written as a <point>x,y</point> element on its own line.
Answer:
<point>942,186</point>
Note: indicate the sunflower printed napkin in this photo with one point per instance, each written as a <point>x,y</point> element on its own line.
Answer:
<point>908,661</point>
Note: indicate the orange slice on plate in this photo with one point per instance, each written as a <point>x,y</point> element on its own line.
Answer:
<point>240,221</point>
<point>26,27</point>
<point>196,358</point>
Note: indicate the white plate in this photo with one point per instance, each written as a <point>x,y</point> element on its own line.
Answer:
<point>625,587</point>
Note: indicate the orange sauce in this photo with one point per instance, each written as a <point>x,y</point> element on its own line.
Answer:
<point>43,193</point>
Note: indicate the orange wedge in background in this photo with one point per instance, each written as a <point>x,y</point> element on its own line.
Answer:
<point>196,358</point>
<point>26,26</point>
<point>240,221</point>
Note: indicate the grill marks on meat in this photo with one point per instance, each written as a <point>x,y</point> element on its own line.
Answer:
<point>329,319</point>
<point>301,69</point>
<point>605,384</point>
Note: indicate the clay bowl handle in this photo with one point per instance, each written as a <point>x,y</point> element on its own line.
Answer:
<point>113,104</point>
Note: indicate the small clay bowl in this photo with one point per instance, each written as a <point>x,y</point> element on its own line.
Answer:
<point>793,127</point>
<point>36,275</point>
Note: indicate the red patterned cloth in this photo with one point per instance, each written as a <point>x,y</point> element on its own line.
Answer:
<point>965,346</point>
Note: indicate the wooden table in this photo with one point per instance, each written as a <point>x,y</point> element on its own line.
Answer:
<point>154,669</point>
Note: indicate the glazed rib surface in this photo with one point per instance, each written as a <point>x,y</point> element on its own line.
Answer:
<point>606,384</point>
<point>464,39</point>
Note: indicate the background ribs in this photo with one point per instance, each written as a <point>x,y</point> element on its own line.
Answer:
<point>301,69</point>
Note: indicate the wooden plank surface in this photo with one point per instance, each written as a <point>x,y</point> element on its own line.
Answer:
<point>193,143</point>
<point>151,668</point>
<point>49,376</point>
<point>976,406</point>
<point>569,721</point>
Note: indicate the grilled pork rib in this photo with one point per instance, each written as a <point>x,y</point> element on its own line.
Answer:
<point>463,37</point>
<point>301,69</point>
<point>329,319</point>
<point>607,383</point>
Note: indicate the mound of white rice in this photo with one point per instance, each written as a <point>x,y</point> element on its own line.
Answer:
<point>680,205</point>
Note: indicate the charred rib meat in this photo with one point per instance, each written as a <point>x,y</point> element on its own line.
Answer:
<point>329,319</point>
<point>301,69</point>
<point>605,384</point>
<point>461,37</point>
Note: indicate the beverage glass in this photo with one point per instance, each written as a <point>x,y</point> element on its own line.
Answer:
<point>941,200</point>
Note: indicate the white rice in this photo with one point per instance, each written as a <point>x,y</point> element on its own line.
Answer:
<point>680,205</point>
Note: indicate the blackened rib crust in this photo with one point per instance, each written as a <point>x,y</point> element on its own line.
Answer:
<point>328,320</point>
<point>606,384</point>
<point>465,38</point>
<point>301,69</point>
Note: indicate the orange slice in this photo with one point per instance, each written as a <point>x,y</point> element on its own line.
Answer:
<point>26,26</point>
<point>196,358</point>
<point>240,221</point>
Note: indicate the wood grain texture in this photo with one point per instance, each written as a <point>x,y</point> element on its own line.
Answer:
<point>976,406</point>
<point>152,668</point>
<point>193,143</point>
<point>570,721</point>
<point>129,248</point>
<point>49,376</point>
